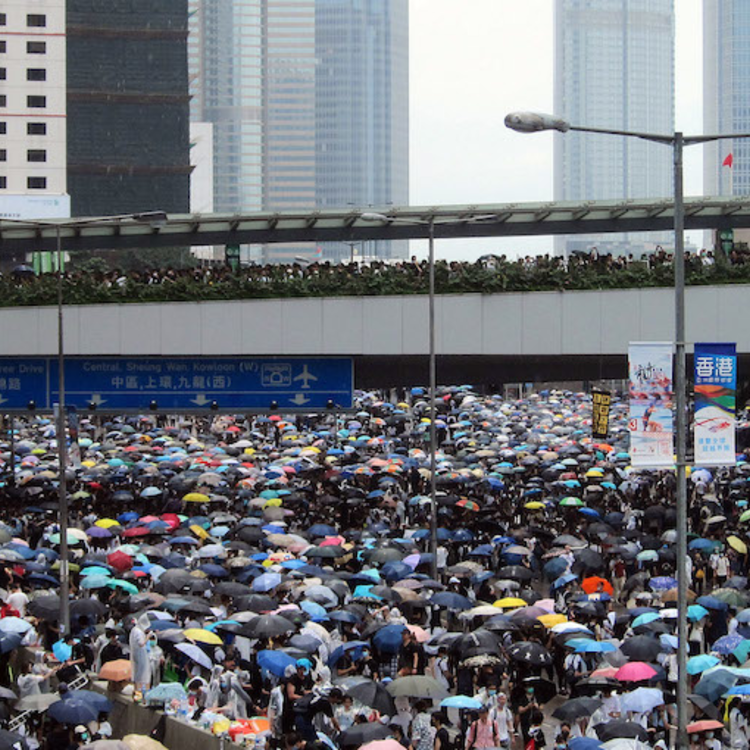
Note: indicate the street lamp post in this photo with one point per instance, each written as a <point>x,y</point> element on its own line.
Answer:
<point>432,368</point>
<point>532,122</point>
<point>153,217</point>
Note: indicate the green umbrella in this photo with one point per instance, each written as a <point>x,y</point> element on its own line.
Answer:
<point>124,585</point>
<point>571,502</point>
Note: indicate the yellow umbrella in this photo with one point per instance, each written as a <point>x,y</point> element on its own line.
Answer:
<point>196,497</point>
<point>737,544</point>
<point>549,621</point>
<point>107,523</point>
<point>199,531</point>
<point>509,602</point>
<point>272,502</point>
<point>534,505</point>
<point>202,636</point>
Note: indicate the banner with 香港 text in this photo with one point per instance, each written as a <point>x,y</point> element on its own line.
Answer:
<point>715,378</point>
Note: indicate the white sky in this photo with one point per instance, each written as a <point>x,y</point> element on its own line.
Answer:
<point>472,62</point>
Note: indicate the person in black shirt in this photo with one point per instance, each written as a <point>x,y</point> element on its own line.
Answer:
<point>112,650</point>
<point>442,740</point>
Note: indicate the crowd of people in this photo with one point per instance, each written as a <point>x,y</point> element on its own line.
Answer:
<point>489,274</point>
<point>271,579</point>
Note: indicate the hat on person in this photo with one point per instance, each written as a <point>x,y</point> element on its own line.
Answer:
<point>81,729</point>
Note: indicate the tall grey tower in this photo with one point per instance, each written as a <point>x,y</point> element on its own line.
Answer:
<point>309,105</point>
<point>614,68</point>
<point>726,95</point>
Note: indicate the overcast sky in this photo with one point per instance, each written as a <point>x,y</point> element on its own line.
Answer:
<point>472,62</point>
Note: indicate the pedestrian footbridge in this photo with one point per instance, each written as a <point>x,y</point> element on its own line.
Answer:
<point>489,339</point>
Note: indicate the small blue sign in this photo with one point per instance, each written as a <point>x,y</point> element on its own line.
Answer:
<point>180,384</point>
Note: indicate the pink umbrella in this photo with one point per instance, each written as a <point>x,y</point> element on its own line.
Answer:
<point>332,541</point>
<point>635,671</point>
<point>421,634</point>
<point>382,745</point>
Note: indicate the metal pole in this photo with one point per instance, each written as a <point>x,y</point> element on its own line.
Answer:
<point>62,452</point>
<point>12,477</point>
<point>680,450</point>
<point>433,411</point>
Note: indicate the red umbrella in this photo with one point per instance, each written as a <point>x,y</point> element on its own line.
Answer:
<point>704,725</point>
<point>120,561</point>
<point>595,584</point>
<point>635,671</point>
<point>137,531</point>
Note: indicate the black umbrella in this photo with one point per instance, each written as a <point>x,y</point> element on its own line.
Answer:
<point>704,705</point>
<point>361,734</point>
<point>87,608</point>
<point>233,589</point>
<point>641,648</point>
<point>45,607</point>
<point>576,708</point>
<point>256,603</point>
<point>515,573</point>
<point>12,741</point>
<point>479,642</point>
<point>529,652</point>
<point>613,729</point>
<point>587,561</point>
<point>374,695</point>
<point>266,626</point>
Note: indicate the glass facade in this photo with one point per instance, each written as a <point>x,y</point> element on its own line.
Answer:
<point>309,102</point>
<point>614,68</point>
<point>726,94</point>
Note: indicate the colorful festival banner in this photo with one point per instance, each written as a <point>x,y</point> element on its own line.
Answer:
<point>715,368</point>
<point>651,430</point>
<point>601,401</point>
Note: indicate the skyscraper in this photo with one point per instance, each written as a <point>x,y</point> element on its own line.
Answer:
<point>128,112</point>
<point>309,103</point>
<point>614,68</point>
<point>726,95</point>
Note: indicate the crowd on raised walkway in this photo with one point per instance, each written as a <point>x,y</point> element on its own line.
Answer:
<point>489,274</point>
<point>270,579</point>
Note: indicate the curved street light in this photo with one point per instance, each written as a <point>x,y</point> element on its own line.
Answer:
<point>532,122</point>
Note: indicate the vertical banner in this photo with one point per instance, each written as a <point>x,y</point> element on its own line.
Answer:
<point>715,368</point>
<point>601,402</point>
<point>74,451</point>
<point>650,424</point>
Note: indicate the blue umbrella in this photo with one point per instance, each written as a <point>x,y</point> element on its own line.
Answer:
<point>388,639</point>
<point>555,568</point>
<point>356,646</point>
<point>584,743</point>
<point>711,602</point>
<point>461,701</point>
<point>727,643</point>
<point>451,600</point>
<point>644,619</point>
<point>700,663</point>
<point>275,662</point>
<point>97,700</point>
<point>395,571</point>
<point>662,583</point>
<point>266,582</point>
<point>75,711</point>
<point>696,612</point>
<point>563,580</point>
<point>316,611</point>
<point>715,682</point>
<point>166,692</point>
<point>321,529</point>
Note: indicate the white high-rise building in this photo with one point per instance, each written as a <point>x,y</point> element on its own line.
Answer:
<point>614,68</point>
<point>33,180</point>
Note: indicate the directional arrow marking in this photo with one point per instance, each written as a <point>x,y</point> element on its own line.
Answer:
<point>200,400</point>
<point>3,400</point>
<point>97,399</point>
<point>299,399</point>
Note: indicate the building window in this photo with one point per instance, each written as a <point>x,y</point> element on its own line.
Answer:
<point>36,48</point>
<point>36,154</point>
<point>36,74</point>
<point>36,20</point>
<point>3,154</point>
<point>36,183</point>
<point>3,128</point>
<point>3,100</point>
<point>36,102</point>
<point>3,182</point>
<point>36,128</point>
<point>3,19</point>
<point>3,46</point>
<point>3,74</point>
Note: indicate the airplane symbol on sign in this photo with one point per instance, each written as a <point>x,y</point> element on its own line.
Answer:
<point>306,376</point>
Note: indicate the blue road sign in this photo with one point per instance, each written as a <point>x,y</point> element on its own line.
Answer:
<point>181,384</point>
<point>23,381</point>
<point>195,383</point>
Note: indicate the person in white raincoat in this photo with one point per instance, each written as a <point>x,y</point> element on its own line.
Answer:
<point>140,664</point>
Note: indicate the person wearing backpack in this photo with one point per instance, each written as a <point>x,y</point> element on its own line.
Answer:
<point>483,732</point>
